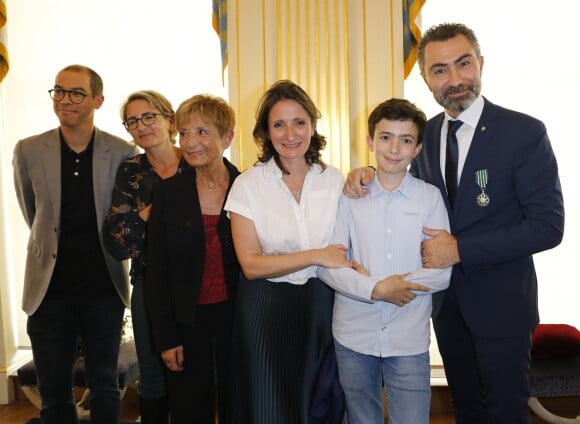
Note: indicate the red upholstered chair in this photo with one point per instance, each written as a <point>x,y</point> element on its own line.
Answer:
<point>555,368</point>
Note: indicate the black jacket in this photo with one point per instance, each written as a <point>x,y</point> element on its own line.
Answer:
<point>176,255</point>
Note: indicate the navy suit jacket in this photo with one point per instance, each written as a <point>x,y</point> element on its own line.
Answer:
<point>495,282</point>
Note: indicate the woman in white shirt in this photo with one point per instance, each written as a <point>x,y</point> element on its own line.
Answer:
<point>282,212</point>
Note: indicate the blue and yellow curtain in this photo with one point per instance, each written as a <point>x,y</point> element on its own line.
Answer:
<point>3,42</point>
<point>411,32</point>
<point>220,25</point>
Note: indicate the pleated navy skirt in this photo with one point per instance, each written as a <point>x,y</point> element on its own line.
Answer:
<point>281,333</point>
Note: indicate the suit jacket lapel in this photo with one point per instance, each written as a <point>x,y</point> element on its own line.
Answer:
<point>101,172</point>
<point>52,164</point>
<point>482,139</point>
<point>432,157</point>
<point>435,153</point>
<point>190,195</point>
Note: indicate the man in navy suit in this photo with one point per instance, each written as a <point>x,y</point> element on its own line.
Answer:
<point>507,206</point>
<point>72,286</point>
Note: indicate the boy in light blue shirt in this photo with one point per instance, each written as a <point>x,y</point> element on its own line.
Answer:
<point>381,314</point>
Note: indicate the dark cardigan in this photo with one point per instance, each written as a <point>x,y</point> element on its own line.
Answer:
<point>176,255</point>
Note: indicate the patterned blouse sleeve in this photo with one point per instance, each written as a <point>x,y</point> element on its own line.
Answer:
<point>124,230</point>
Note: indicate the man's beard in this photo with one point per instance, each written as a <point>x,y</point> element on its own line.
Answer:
<point>459,104</point>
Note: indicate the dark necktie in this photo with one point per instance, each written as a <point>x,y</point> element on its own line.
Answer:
<point>451,160</point>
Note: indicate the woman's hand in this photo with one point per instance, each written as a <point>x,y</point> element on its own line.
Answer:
<point>331,256</point>
<point>173,358</point>
<point>145,213</point>
<point>359,268</point>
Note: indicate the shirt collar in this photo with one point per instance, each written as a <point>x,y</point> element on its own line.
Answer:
<point>471,115</point>
<point>66,148</point>
<point>271,168</point>
<point>375,188</point>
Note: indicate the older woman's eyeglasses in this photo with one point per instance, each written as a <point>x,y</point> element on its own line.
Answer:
<point>75,96</point>
<point>147,119</point>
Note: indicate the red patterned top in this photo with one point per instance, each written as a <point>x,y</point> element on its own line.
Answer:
<point>213,284</point>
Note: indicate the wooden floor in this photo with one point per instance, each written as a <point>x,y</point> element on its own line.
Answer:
<point>22,410</point>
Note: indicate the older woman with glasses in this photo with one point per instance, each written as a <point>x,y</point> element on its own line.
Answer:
<point>149,118</point>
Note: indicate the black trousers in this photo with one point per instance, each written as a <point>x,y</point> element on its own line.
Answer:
<point>198,392</point>
<point>488,377</point>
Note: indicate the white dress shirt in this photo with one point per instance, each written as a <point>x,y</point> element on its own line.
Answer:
<point>470,118</point>
<point>383,232</point>
<point>282,224</point>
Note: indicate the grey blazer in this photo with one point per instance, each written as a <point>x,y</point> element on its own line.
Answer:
<point>36,165</point>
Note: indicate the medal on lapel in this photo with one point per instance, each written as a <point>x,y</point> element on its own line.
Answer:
<point>481,178</point>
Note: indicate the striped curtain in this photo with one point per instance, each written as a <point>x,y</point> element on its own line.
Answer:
<point>220,25</point>
<point>3,42</point>
<point>411,32</point>
<point>340,51</point>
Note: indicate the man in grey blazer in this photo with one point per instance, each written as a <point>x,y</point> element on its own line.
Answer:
<point>73,288</point>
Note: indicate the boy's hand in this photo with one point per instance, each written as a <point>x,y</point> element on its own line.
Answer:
<point>396,290</point>
<point>359,268</point>
<point>356,179</point>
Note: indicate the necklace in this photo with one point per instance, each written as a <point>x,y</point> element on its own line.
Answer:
<point>295,183</point>
<point>211,183</point>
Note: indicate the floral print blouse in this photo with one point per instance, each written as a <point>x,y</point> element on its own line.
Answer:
<point>124,231</point>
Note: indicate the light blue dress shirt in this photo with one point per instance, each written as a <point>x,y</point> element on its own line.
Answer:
<point>383,232</point>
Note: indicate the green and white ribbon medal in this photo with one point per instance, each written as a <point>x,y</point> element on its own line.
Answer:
<point>481,178</point>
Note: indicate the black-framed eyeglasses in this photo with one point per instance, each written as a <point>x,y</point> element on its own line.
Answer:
<point>147,119</point>
<point>75,96</point>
